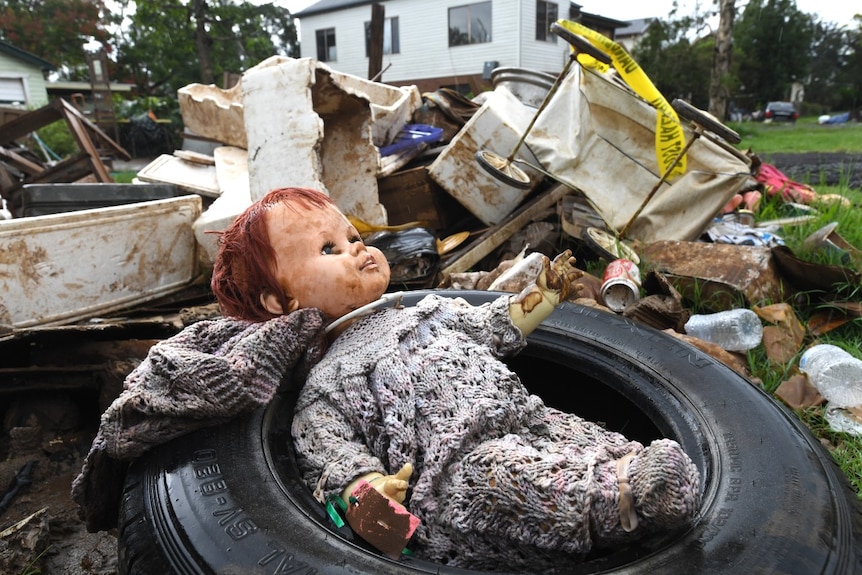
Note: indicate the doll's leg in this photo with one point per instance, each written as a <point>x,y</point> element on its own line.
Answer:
<point>636,491</point>
<point>538,492</point>
<point>658,488</point>
<point>520,500</point>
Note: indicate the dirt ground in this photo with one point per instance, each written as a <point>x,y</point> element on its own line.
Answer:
<point>50,433</point>
<point>44,441</point>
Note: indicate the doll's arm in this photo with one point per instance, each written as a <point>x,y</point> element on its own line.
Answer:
<point>392,486</point>
<point>555,283</point>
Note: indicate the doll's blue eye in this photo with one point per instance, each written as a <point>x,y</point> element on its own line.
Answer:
<point>328,248</point>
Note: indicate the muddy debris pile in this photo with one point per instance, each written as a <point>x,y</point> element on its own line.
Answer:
<point>459,193</point>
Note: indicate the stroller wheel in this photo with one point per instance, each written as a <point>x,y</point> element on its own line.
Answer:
<point>503,169</point>
<point>608,246</point>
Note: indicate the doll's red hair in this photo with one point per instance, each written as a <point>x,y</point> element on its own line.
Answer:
<point>244,266</point>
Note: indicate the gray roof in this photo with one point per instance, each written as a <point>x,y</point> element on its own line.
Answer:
<point>331,6</point>
<point>9,49</point>
<point>635,27</point>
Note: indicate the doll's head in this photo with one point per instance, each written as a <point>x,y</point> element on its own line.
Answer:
<point>294,249</point>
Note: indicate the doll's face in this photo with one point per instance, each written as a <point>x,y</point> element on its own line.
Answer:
<point>322,261</point>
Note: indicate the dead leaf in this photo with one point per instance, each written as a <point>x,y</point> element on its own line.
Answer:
<point>783,339</point>
<point>824,321</point>
<point>798,393</point>
<point>779,344</point>
<point>731,360</point>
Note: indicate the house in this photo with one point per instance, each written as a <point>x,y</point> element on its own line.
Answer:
<point>629,36</point>
<point>22,77</point>
<point>445,43</point>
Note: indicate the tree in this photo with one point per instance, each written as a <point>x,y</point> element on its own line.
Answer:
<point>772,40</point>
<point>828,53</point>
<point>719,88</point>
<point>849,80</point>
<point>56,30</point>
<point>676,65</point>
<point>168,44</point>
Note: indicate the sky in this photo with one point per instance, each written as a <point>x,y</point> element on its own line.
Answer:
<point>839,11</point>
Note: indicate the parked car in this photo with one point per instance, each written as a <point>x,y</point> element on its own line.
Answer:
<point>780,112</point>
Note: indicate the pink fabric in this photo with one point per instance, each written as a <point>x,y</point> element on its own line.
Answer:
<point>775,182</point>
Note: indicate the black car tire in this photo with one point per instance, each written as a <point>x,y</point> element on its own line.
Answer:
<point>228,499</point>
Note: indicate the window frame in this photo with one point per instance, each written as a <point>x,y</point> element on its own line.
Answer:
<point>547,13</point>
<point>324,48</point>
<point>471,38</point>
<point>390,24</point>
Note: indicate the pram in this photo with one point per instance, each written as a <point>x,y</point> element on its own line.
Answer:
<point>647,174</point>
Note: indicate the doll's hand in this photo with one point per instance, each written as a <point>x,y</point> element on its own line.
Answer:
<point>394,486</point>
<point>558,280</point>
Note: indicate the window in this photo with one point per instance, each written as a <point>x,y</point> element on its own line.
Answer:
<point>546,14</point>
<point>470,24</point>
<point>13,90</point>
<point>326,45</point>
<point>390,37</point>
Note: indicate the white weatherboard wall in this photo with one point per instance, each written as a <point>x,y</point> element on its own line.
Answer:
<point>424,40</point>
<point>17,76</point>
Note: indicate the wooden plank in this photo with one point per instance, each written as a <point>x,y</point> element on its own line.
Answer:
<point>16,160</point>
<point>85,143</point>
<point>28,123</point>
<point>71,111</point>
<point>495,236</point>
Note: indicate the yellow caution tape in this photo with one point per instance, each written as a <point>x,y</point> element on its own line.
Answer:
<point>669,136</point>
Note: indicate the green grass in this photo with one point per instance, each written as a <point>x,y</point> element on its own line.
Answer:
<point>807,136</point>
<point>124,177</point>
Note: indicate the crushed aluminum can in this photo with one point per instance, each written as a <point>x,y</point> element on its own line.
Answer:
<point>620,284</point>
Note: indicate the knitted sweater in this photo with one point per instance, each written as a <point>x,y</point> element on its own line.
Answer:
<point>205,375</point>
<point>500,480</point>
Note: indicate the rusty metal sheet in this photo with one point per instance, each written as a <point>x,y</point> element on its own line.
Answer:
<point>62,268</point>
<point>721,276</point>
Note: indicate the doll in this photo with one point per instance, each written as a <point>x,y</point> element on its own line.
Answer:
<point>417,403</point>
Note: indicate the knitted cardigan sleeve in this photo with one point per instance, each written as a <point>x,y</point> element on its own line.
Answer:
<point>206,374</point>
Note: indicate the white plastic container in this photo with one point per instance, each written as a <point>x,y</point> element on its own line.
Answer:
<point>835,373</point>
<point>732,330</point>
<point>62,268</point>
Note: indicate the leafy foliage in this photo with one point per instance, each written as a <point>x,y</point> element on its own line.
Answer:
<point>199,41</point>
<point>775,45</point>
<point>677,64</point>
<point>772,40</point>
<point>55,30</point>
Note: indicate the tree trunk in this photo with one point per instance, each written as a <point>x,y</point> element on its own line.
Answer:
<point>203,42</point>
<point>718,89</point>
